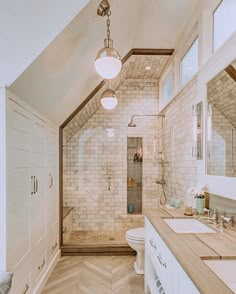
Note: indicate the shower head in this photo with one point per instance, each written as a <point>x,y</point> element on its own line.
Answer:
<point>132,125</point>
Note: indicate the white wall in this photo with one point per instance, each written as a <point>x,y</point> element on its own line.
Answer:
<point>27,28</point>
<point>3,179</point>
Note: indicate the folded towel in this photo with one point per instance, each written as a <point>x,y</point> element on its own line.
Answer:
<point>5,282</point>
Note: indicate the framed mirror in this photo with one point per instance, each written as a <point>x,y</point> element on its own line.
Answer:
<point>221,123</point>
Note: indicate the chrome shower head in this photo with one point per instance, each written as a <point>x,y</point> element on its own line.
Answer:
<point>132,125</point>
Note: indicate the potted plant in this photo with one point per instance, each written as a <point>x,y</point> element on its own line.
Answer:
<point>199,195</point>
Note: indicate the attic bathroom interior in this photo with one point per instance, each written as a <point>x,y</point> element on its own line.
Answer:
<point>118,147</point>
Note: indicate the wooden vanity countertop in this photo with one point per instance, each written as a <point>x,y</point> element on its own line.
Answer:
<point>191,249</point>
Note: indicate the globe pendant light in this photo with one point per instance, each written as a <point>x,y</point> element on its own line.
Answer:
<point>108,62</point>
<point>109,99</point>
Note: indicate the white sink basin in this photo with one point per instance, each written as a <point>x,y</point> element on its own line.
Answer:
<point>225,270</point>
<point>190,226</point>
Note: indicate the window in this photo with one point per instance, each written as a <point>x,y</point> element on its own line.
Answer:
<point>167,89</point>
<point>189,63</point>
<point>224,22</point>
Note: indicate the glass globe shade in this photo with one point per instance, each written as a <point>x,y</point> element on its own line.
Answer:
<point>109,99</point>
<point>108,63</point>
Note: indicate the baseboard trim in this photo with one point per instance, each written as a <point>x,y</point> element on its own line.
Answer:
<point>43,280</point>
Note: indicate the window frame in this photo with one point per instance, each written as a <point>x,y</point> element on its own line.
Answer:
<point>169,75</point>
<point>214,50</point>
<point>181,59</point>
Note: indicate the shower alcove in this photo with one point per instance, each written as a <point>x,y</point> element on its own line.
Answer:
<point>134,174</point>
<point>105,165</point>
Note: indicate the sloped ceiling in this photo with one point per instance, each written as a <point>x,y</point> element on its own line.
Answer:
<point>222,94</point>
<point>64,75</point>
<point>27,28</point>
<point>134,68</point>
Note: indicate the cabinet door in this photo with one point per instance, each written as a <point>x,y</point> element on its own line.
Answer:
<point>18,184</point>
<point>38,215</point>
<point>52,197</point>
<point>182,283</point>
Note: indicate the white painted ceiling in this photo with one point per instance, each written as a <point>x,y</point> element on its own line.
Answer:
<point>63,75</point>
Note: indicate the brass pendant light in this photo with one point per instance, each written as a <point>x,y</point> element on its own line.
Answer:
<point>108,61</point>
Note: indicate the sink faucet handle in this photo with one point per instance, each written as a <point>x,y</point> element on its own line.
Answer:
<point>208,211</point>
<point>224,219</point>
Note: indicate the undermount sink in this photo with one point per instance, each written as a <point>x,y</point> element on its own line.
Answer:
<point>190,226</point>
<point>225,270</point>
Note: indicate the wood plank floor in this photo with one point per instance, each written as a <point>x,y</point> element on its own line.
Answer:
<point>95,275</point>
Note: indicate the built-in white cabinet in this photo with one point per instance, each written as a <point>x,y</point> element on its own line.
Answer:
<point>163,274</point>
<point>181,281</point>
<point>32,197</point>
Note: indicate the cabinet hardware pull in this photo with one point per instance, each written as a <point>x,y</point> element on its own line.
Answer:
<point>50,177</point>
<point>26,289</point>
<point>32,188</point>
<point>51,180</point>
<point>42,265</point>
<point>160,260</point>
<point>36,185</point>
<point>152,244</point>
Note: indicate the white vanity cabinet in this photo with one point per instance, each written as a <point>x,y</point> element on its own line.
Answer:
<point>162,271</point>
<point>32,197</point>
<point>181,281</point>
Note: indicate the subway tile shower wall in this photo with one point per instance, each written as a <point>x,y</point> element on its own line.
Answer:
<point>99,151</point>
<point>181,169</point>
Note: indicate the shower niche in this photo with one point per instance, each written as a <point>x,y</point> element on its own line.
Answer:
<point>134,174</point>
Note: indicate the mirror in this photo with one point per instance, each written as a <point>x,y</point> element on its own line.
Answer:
<point>221,123</point>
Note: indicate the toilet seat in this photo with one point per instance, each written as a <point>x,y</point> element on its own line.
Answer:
<point>136,235</point>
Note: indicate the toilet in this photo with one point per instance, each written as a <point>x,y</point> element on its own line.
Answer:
<point>135,239</point>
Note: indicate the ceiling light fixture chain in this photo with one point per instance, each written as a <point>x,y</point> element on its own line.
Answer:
<point>108,61</point>
<point>108,26</point>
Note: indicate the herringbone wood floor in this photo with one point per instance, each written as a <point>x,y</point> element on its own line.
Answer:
<point>95,275</point>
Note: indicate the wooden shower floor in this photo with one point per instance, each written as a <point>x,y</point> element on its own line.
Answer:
<point>96,238</point>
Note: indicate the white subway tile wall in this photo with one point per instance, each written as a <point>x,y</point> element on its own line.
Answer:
<point>181,167</point>
<point>134,68</point>
<point>99,151</point>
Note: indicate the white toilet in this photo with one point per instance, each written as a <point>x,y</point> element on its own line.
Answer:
<point>135,239</point>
